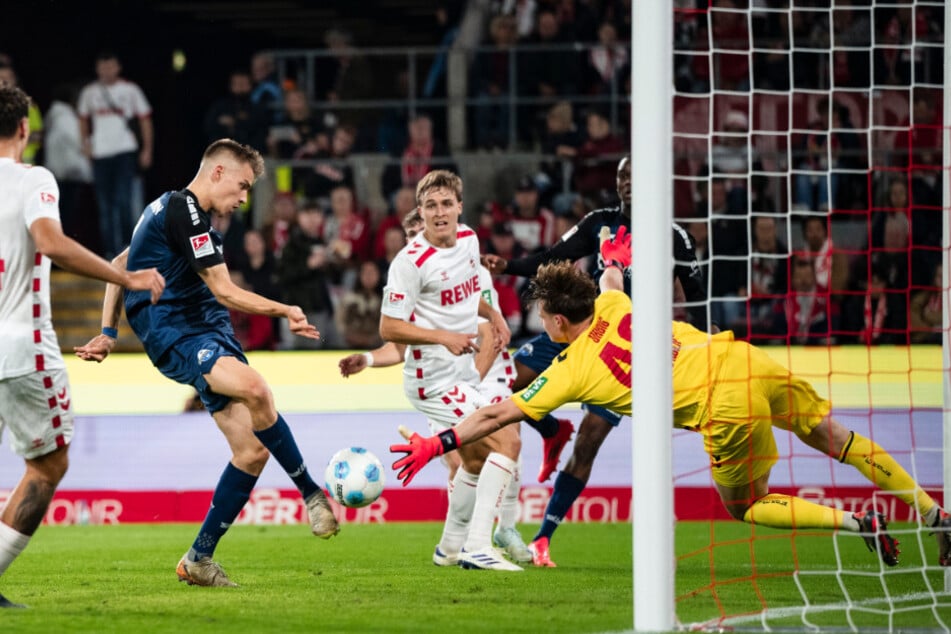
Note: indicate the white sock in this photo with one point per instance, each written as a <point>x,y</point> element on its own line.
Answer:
<point>495,477</point>
<point>508,511</point>
<point>12,543</point>
<point>462,497</point>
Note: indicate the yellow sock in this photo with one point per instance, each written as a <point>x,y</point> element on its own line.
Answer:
<point>884,472</point>
<point>785,511</point>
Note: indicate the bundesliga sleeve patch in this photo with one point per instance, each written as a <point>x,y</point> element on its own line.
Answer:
<point>202,245</point>
<point>395,299</point>
<point>47,198</point>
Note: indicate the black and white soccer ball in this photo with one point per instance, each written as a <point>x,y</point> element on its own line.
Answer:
<point>354,477</point>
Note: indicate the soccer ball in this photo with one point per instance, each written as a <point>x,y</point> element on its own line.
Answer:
<point>354,477</point>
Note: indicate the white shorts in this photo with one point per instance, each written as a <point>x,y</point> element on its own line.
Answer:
<point>37,409</point>
<point>447,409</point>
<point>495,390</point>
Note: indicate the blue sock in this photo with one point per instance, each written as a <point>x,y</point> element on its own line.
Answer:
<point>547,426</point>
<point>566,491</point>
<point>280,442</point>
<point>233,490</point>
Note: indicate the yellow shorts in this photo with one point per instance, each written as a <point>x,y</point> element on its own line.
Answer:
<point>751,394</point>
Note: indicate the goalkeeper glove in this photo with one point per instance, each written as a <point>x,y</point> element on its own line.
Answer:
<point>617,252</point>
<point>420,451</point>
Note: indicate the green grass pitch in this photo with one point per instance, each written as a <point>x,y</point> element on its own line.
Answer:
<point>379,578</point>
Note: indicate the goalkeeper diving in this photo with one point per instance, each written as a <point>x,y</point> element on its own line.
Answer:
<point>730,392</point>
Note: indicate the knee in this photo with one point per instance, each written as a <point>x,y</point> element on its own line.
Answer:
<point>257,396</point>
<point>252,458</point>
<point>51,468</point>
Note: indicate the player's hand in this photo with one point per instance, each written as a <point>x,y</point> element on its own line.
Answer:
<point>617,251</point>
<point>418,452</point>
<point>459,343</point>
<point>353,364</point>
<point>147,280</point>
<point>494,263</point>
<point>96,350</point>
<point>297,320</point>
<point>503,334</point>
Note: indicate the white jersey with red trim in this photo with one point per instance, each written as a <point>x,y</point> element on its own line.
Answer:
<point>436,288</point>
<point>27,341</point>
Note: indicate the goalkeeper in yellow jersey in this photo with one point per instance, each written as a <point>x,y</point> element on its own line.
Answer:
<point>729,391</point>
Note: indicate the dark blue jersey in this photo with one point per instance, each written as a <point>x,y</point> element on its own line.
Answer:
<point>585,239</point>
<point>175,236</point>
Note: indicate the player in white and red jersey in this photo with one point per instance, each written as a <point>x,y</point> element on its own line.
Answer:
<point>431,304</point>
<point>496,386</point>
<point>34,388</point>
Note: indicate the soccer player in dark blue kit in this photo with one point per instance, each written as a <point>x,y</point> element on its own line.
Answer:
<point>188,336</point>
<point>532,358</point>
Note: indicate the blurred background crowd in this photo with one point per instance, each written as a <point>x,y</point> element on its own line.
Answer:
<point>807,147</point>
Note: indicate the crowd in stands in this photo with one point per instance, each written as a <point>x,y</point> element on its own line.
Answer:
<point>318,246</point>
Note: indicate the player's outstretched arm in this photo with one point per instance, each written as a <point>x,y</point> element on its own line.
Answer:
<point>70,255</point>
<point>478,424</point>
<point>236,298</point>
<point>400,331</point>
<point>99,347</point>
<point>383,357</point>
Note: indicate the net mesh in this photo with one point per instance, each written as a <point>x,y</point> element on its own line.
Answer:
<point>808,170</point>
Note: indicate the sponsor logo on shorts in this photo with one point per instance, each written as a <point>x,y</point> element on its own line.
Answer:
<point>202,245</point>
<point>203,355</point>
<point>533,389</point>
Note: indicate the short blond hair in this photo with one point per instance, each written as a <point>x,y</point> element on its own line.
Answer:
<point>439,179</point>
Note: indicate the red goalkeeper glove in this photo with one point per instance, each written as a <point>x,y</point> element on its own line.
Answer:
<point>617,252</point>
<point>420,451</point>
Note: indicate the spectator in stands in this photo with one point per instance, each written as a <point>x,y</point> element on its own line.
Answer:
<point>332,166</point>
<point>279,222</point>
<point>404,201</point>
<point>351,80</point>
<point>559,143</point>
<point>107,107</point>
<point>532,224</point>
<point>394,239</point>
<point>267,93</point>
<point>768,274</point>
<point>605,61</point>
<point>731,33</point>
<point>358,318</point>
<point>502,242</point>
<point>924,312</point>
<point>300,130</point>
<point>596,160</point>
<point>890,59</point>
<point>830,266</point>
<point>235,116</point>
<point>882,276</point>
<point>63,155</point>
<point>305,271</point>
<point>545,72</point>
<point>254,331</point>
<point>491,85</point>
<point>259,271</point>
<point>232,232</point>
<point>423,154</point>
<point>806,306</point>
<point>347,233</point>
<point>728,250</point>
<point>578,20</point>
<point>31,153</point>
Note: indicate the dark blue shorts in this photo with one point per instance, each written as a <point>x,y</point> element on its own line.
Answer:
<point>539,352</point>
<point>193,357</point>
